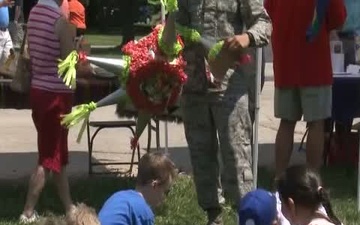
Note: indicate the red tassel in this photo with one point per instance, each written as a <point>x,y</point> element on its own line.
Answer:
<point>82,56</point>
<point>134,142</point>
<point>245,59</point>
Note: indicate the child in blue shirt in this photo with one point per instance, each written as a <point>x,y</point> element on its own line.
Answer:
<point>134,207</point>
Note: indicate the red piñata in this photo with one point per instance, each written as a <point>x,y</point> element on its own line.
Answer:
<point>154,81</point>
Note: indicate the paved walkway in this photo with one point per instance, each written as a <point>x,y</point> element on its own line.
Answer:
<point>18,140</point>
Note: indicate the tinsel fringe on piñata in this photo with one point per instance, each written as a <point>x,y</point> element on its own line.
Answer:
<point>144,67</point>
<point>129,112</point>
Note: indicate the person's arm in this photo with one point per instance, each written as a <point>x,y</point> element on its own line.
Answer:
<point>257,22</point>
<point>66,34</point>
<point>18,9</point>
<point>258,25</point>
<point>65,9</point>
<point>6,3</point>
<point>336,14</point>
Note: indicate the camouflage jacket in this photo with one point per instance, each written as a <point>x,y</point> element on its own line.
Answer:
<point>219,19</point>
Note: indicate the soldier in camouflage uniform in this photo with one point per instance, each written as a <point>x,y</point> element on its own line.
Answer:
<point>219,116</point>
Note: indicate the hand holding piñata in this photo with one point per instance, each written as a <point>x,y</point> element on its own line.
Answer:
<point>217,55</point>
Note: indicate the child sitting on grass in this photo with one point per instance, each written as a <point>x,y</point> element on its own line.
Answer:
<point>258,207</point>
<point>301,193</point>
<point>156,174</point>
<point>80,215</point>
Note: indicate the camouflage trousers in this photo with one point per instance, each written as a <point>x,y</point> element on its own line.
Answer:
<point>219,123</point>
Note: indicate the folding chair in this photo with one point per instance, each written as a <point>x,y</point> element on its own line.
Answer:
<point>100,125</point>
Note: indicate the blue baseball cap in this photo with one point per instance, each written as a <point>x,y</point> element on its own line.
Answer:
<point>257,207</point>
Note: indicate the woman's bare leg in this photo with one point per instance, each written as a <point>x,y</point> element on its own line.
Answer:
<point>62,183</point>
<point>36,185</point>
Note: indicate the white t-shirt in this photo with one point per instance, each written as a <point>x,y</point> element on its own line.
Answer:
<point>320,221</point>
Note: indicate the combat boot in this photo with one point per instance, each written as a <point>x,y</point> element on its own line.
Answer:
<point>215,217</point>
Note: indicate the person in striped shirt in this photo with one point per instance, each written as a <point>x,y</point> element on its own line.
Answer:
<point>50,37</point>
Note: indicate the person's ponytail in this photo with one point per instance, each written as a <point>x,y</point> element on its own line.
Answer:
<point>325,201</point>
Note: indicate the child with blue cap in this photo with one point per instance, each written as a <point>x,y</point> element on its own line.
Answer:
<point>258,207</point>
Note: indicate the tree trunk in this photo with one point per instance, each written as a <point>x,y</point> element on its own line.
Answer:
<point>128,31</point>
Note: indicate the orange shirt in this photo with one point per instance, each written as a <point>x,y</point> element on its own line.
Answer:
<point>77,14</point>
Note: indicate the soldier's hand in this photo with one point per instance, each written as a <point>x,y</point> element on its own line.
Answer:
<point>237,42</point>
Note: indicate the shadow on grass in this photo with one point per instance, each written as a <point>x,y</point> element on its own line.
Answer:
<point>115,51</point>
<point>92,191</point>
<point>266,158</point>
<point>17,165</point>
<point>181,206</point>
<point>341,183</point>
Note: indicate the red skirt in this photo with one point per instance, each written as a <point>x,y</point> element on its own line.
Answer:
<point>47,108</point>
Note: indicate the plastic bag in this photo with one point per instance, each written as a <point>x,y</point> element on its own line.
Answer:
<point>21,81</point>
<point>9,66</point>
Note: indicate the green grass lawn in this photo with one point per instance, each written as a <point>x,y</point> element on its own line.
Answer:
<point>180,208</point>
<point>111,43</point>
<point>105,40</point>
<point>99,39</point>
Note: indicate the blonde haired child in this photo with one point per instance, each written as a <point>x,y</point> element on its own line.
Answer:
<point>80,215</point>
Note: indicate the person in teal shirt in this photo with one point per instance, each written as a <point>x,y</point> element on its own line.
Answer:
<point>350,29</point>
<point>352,23</point>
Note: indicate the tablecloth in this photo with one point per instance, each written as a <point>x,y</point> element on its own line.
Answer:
<point>346,99</point>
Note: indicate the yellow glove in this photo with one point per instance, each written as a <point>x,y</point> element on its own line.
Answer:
<point>67,69</point>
